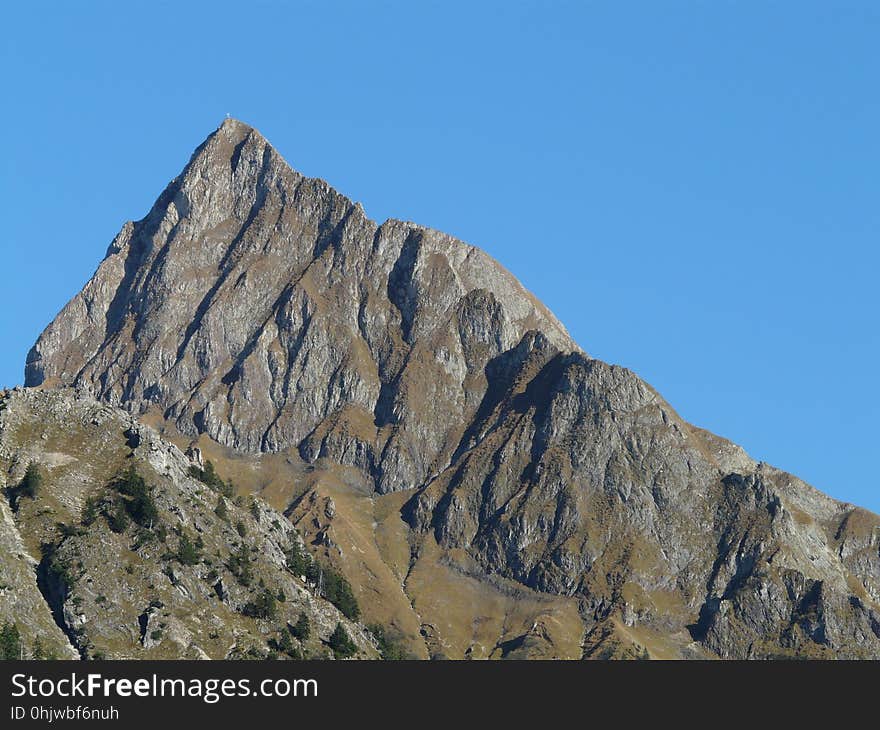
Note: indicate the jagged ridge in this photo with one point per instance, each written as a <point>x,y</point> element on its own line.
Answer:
<point>255,304</point>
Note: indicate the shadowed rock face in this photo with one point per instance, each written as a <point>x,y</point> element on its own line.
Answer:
<point>265,310</point>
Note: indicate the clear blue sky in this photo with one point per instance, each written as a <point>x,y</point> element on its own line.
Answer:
<point>691,186</point>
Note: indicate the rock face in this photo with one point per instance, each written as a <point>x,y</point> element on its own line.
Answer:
<point>263,310</point>
<point>266,310</point>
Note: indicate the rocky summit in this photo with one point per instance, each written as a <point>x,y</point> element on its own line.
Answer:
<point>393,402</point>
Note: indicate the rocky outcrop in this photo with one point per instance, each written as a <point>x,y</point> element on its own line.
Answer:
<point>80,574</point>
<point>263,311</point>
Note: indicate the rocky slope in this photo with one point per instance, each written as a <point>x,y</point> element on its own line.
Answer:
<point>82,576</point>
<point>490,489</point>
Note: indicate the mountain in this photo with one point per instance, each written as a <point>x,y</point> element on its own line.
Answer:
<point>265,309</point>
<point>430,429</point>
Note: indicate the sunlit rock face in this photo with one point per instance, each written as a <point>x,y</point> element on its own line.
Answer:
<point>265,309</point>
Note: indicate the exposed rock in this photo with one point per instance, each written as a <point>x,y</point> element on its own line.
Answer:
<point>554,505</point>
<point>87,585</point>
<point>194,454</point>
<point>264,308</point>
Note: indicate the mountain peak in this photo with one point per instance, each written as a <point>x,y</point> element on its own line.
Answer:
<point>226,143</point>
<point>234,131</point>
<point>248,283</point>
<point>231,123</point>
<point>441,437</point>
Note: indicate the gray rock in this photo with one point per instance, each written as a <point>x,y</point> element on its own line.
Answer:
<point>86,587</point>
<point>257,306</point>
<point>264,309</point>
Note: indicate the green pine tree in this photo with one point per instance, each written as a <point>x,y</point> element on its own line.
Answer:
<point>263,606</point>
<point>341,643</point>
<point>302,629</point>
<point>188,552</point>
<point>10,641</point>
<point>240,566</point>
<point>298,560</point>
<point>29,486</point>
<point>33,480</point>
<point>221,510</point>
